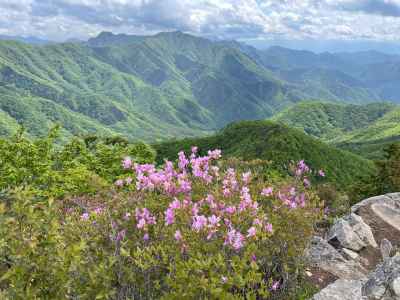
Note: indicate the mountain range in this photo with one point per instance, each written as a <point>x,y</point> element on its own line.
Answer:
<point>174,84</point>
<point>364,129</point>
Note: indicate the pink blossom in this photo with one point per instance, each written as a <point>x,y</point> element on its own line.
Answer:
<point>127,216</point>
<point>224,279</point>
<point>141,223</point>
<point>321,173</point>
<point>121,235</point>
<point>127,163</point>
<point>98,210</point>
<point>226,192</point>
<point>214,154</point>
<point>268,227</point>
<point>251,232</point>
<point>178,235</point>
<point>275,285</point>
<point>119,182</point>
<point>146,237</point>
<point>85,216</point>
<point>169,216</point>
<point>213,220</point>
<point>246,177</point>
<point>257,222</point>
<point>176,204</point>
<point>267,191</point>
<point>230,210</point>
<point>306,182</point>
<point>235,239</point>
<point>199,222</point>
<point>215,170</point>
<point>182,160</point>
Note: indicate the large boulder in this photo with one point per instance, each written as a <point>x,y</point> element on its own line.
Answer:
<point>384,282</point>
<point>392,200</point>
<point>324,256</point>
<point>341,289</point>
<point>361,268</point>
<point>351,232</point>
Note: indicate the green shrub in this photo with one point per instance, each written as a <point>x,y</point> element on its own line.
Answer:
<point>198,230</point>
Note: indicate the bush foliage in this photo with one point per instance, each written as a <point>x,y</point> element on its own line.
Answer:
<point>199,228</point>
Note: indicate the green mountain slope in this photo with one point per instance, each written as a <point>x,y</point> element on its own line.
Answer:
<point>172,84</point>
<point>365,129</point>
<point>276,142</point>
<point>157,87</point>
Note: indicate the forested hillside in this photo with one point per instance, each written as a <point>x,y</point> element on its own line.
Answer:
<point>172,84</point>
<point>280,144</point>
<point>365,129</point>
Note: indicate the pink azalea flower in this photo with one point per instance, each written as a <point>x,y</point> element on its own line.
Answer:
<point>182,160</point>
<point>178,235</point>
<point>252,231</point>
<point>141,224</point>
<point>176,204</point>
<point>213,220</point>
<point>169,216</point>
<point>127,216</point>
<point>268,227</point>
<point>199,222</point>
<point>127,163</point>
<point>246,177</point>
<point>306,182</point>
<point>85,216</point>
<point>119,183</point>
<point>267,191</point>
<point>275,285</point>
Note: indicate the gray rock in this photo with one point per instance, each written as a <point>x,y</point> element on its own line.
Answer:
<point>386,248</point>
<point>351,254</point>
<point>341,289</point>
<point>384,282</point>
<point>343,235</point>
<point>362,229</point>
<point>352,232</point>
<point>392,200</point>
<point>322,255</point>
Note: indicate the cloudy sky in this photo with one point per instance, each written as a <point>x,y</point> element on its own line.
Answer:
<point>231,19</point>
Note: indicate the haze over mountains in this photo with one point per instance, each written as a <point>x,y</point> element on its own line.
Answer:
<point>174,84</point>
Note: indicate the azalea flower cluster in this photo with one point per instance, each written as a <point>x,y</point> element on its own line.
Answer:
<point>200,206</point>
<point>228,211</point>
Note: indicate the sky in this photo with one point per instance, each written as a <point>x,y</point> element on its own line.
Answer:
<point>257,22</point>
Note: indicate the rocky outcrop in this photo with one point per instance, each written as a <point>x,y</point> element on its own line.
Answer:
<point>359,251</point>
<point>324,256</point>
<point>341,289</point>
<point>352,232</point>
<point>384,282</point>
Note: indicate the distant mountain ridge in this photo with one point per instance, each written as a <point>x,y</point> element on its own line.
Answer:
<point>364,129</point>
<point>174,84</point>
<point>274,142</point>
<point>28,40</point>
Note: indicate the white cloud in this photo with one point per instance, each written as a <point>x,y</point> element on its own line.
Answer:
<point>239,19</point>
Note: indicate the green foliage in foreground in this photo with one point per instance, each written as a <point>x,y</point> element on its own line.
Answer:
<point>80,166</point>
<point>65,232</point>
<point>277,143</point>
